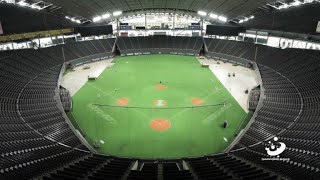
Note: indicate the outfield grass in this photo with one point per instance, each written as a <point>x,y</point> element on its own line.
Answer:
<point>126,130</point>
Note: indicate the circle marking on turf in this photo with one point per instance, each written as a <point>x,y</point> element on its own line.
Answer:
<point>123,101</point>
<point>197,101</point>
<point>160,87</point>
<point>160,124</point>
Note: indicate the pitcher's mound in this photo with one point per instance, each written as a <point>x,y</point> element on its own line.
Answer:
<point>197,101</point>
<point>160,124</point>
<point>123,101</point>
<point>160,87</point>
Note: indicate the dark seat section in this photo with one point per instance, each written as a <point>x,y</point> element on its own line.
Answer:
<point>114,169</point>
<point>93,167</point>
<point>290,109</point>
<point>149,171</point>
<point>34,135</point>
<point>191,45</point>
<point>172,171</point>
<point>205,169</point>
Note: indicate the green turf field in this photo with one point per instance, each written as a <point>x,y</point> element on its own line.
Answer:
<point>128,116</point>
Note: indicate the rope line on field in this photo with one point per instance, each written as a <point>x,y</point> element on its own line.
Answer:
<point>137,107</point>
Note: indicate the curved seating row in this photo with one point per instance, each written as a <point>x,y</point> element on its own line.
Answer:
<point>290,108</point>
<point>34,134</point>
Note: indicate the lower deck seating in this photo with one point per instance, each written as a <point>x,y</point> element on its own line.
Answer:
<point>93,167</point>
<point>205,169</point>
<point>149,171</point>
<point>65,98</point>
<point>227,166</point>
<point>290,109</point>
<point>35,137</point>
<point>114,169</point>
<point>171,171</point>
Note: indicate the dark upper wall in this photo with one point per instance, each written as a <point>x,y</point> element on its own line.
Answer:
<point>16,19</point>
<point>303,19</point>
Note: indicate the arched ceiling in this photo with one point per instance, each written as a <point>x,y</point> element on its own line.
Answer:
<point>91,8</point>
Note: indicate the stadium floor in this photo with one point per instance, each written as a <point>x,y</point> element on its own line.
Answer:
<point>157,106</point>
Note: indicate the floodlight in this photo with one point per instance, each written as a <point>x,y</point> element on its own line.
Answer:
<point>96,19</point>
<point>202,13</point>
<point>222,18</point>
<point>106,16</point>
<point>214,16</point>
<point>117,13</point>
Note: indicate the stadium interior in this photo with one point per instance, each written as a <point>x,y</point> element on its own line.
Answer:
<point>232,89</point>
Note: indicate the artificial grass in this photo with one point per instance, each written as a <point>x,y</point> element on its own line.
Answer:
<point>126,131</point>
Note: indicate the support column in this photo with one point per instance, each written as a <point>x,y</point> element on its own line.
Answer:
<point>174,24</point>
<point>256,54</point>
<point>202,34</point>
<point>145,24</point>
<point>118,28</point>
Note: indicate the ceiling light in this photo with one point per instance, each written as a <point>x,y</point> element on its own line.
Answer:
<point>284,6</point>
<point>246,19</point>
<point>67,17</point>
<point>241,21</point>
<point>34,6</point>
<point>22,3</point>
<point>202,13</point>
<point>296,3</point>
<point>117,13</point>
<point>78,21</point>
<point>222,18</point>
<point>251,17</point>
<point>96,19</point>
<point>106,16</point>
<point>214,16</point>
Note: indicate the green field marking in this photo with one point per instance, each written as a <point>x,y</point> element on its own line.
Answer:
<point>126,131</point>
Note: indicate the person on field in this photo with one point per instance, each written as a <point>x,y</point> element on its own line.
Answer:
<point>225,124</point>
